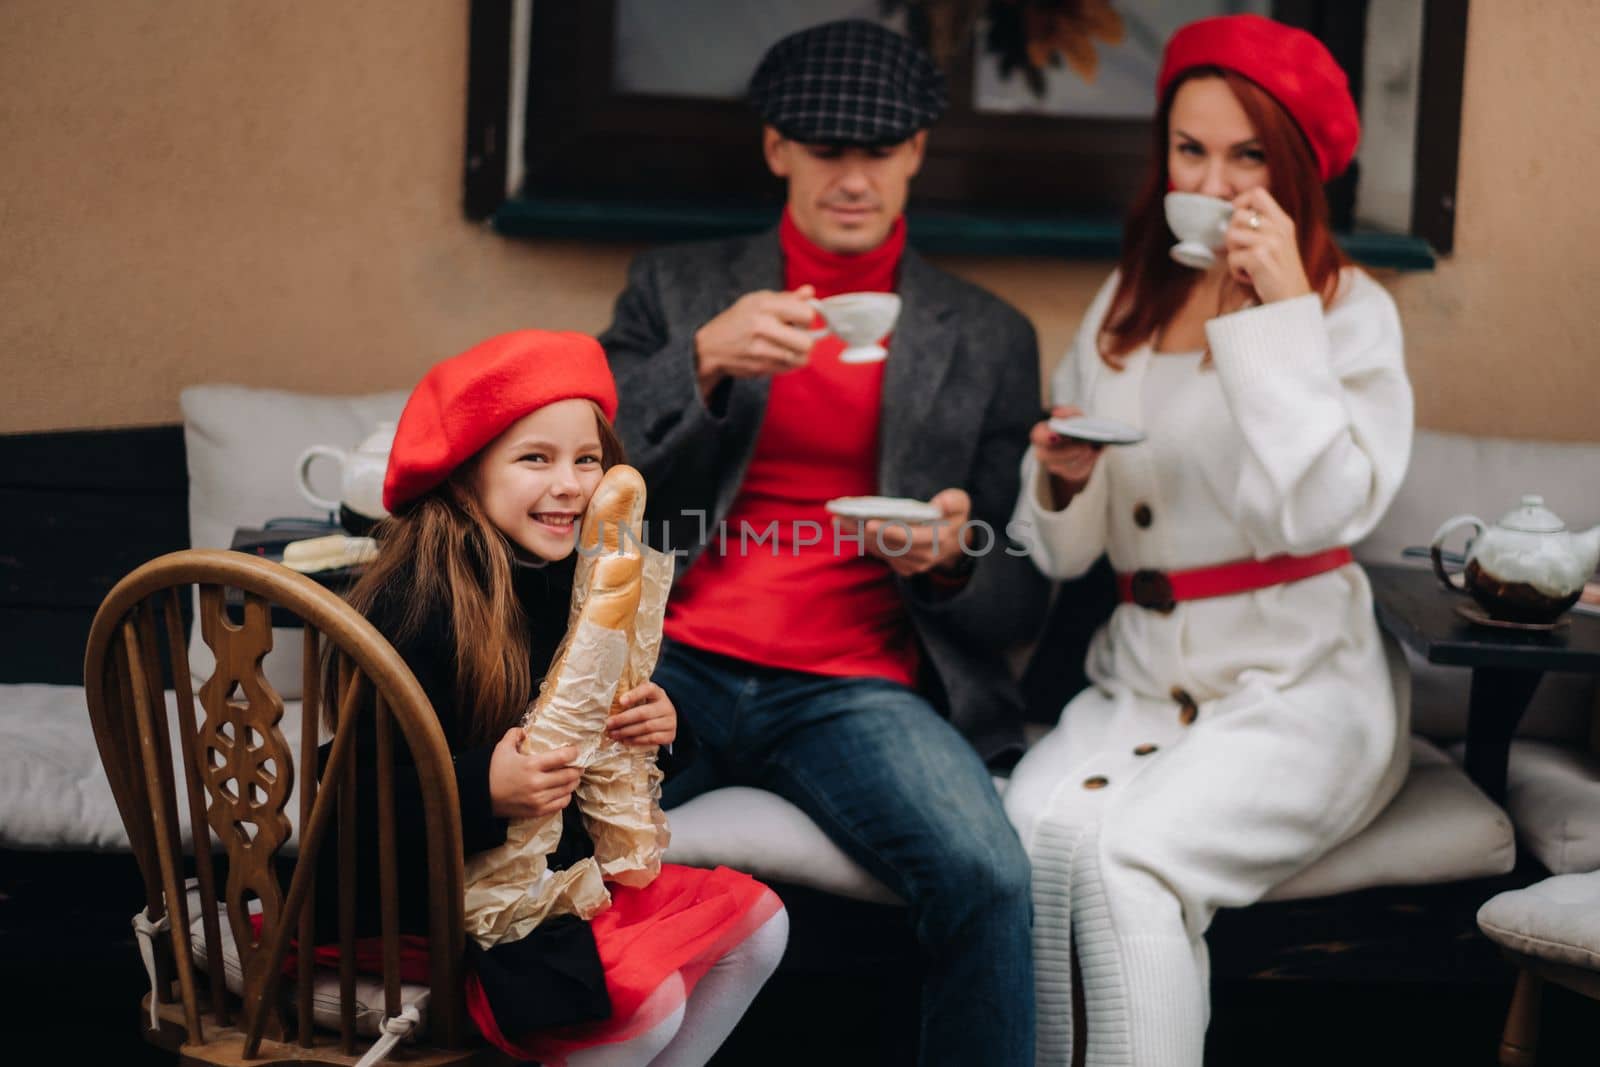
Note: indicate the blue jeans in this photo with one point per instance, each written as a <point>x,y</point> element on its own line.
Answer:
<point>899,790</point>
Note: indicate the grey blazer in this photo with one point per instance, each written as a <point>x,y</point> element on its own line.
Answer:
<point>960,392</point>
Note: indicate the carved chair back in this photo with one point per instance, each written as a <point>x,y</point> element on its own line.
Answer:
<point>235,776</point>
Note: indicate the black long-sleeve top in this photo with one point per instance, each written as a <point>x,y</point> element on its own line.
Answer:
<point>551,977</point>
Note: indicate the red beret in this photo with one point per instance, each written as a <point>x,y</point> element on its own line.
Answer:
<point>1290,64</point>
<point>468,400</point>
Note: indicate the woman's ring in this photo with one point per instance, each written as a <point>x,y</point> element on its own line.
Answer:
<point>1255,220</point>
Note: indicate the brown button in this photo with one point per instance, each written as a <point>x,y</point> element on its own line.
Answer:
<point>1099,781</point>
<point>1142,516</point>
<point>1188,710</point>
<point>1144,750</point>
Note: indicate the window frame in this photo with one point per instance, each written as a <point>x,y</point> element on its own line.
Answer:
<point>602,164</point>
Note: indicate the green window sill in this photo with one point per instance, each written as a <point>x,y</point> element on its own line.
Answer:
<point>1064,237</point>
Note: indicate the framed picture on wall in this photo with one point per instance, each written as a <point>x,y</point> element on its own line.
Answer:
<point>639,104</point>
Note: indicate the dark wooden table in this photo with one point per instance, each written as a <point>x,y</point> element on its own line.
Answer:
<point>1506,665</point>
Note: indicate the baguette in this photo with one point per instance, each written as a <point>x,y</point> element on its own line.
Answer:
<point>619,593</point>
<point>610,541</point>
<point>612,536</point>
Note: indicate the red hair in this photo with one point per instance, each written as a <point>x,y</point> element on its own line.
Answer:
<point>1152,287</point>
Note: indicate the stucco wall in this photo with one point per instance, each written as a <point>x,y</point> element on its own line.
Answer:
<point>214,190</point>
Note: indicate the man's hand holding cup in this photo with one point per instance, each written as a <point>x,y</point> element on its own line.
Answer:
<point>761,333</point>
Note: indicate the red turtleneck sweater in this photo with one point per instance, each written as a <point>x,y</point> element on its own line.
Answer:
<point>785,603</point>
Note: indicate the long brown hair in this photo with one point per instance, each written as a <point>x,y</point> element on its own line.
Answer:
<point>441,553</point>
<point>1152,288</point>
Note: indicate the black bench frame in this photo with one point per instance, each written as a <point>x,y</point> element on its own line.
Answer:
<point>84,508</point>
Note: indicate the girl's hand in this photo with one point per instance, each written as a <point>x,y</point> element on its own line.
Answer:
<point>530,786</point>
<point>1263,248</point>
<point>647,718</point>
<point>1069,462</point>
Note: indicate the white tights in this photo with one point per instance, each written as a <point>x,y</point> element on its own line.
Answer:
<point>689,1036</point>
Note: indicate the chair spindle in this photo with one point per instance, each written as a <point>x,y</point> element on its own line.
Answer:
<point>388,876</point>
<point>158,781</point>
<point>199,825</point>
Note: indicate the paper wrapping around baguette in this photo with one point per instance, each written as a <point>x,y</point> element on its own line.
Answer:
<point>613,638</point>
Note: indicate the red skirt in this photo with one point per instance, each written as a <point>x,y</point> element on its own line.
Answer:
<point>681,923</point>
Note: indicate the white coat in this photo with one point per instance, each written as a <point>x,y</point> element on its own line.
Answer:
<point>1222,747</point>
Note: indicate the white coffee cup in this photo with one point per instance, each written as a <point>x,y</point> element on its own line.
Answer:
<point>1200,224</point>
<point>860,320</point>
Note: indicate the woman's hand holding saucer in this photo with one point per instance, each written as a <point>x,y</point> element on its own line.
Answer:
<point>1068,461</point>
<point>1263,248</point>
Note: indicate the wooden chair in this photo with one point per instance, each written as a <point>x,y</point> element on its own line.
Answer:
<point>1550,932</point>
<point>1519,1042</point>
<point>237,771</point>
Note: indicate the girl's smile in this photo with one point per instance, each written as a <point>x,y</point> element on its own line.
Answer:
<point>535,479</point>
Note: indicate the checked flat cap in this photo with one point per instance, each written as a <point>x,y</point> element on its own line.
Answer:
<point>848,82</point>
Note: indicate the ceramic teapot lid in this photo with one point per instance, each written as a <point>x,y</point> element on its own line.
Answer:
<point>1532,517</point>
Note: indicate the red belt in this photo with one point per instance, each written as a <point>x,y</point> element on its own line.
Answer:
<point>1161,590</point>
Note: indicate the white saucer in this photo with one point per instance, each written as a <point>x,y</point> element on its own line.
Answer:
<point>1097,430</point>
<point>888,508</point>
<point>864,354</point>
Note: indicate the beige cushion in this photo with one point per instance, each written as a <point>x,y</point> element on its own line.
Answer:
<point>764,835</point>
<point>1439,828</point>
<point>242,445</point>
<point>1553,794</point>
<point>1557,919</point>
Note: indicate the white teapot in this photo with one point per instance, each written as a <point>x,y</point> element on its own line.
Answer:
<point>360,503</point>
<point>1525,568</point>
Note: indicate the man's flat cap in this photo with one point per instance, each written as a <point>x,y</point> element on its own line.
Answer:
<point>849,82</point>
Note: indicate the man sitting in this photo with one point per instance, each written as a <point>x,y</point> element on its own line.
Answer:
<point>856,672</point>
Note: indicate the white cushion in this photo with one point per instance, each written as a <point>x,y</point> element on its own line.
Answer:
<point>1439,828</point>
<point>1557,919</point>
<point>242,445</point>
<point>1553,794</point>
<point>324,985</point>
<point>53,790</point>
<point>764,835</point>
<point>1454,474</point>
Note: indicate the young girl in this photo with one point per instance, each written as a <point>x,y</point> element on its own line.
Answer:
<point>494,460</point>
<point>1242,718</point>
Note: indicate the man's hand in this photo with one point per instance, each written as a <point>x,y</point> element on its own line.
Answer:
<point>648,717</point>
<point>1068,462</point>
<point>911,550</point>
<point>530,785</point>
<point>760,333</point>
